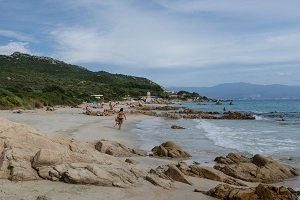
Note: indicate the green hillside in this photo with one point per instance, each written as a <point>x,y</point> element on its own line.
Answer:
<point>33,81</point>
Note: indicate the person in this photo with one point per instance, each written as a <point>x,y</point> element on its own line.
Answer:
<point>110,106</point>
<point>120,118</point>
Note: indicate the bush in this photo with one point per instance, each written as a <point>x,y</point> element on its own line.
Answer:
<point>38,104</point>
<point>15,101</point>
<point>5,103</point>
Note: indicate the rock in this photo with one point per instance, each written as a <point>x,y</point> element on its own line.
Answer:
<point>170,149</point>
<point>131,161</point>
<point>237,116</point>
<point>156,180</point>
<point>139,152</point>
<point>174,173</point>
<point>208,173</point>
<point>176,127</point>
<point>232,158</point>
<point>255,169</point>
<point>159,108</point>
<point>117,149</point>
<point>167,115</point>
<point>170,172</point>
<point>18,111</point>
<point>42,197</point>
<point>113,148</point>
<point>265,192</point>
<point>27,154</point>
<point>49,108</point>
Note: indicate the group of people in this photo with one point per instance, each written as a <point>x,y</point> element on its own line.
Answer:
<point>119,120</point>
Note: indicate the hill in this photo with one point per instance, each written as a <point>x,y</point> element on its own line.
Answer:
<point>246,91</point>
<point>27,80</point>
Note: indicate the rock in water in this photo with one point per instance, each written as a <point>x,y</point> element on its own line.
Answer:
<point>170,149</point>
<point>255,169</point>
<point>176,127</point>
<point>261,192</point>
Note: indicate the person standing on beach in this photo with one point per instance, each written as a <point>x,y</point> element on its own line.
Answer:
<point>120,118</point>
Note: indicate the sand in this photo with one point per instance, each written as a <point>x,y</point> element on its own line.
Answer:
<point>70,122</point>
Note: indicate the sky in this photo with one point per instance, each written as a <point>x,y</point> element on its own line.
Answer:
<point>172,42</point>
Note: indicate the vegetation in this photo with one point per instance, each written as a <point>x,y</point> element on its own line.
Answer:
<point>191,95</point>
<point>32,81</point>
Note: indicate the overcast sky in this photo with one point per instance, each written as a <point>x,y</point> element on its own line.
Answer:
<point>172,42</point>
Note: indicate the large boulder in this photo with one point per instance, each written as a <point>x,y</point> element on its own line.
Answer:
<point>27,154</point>
<point>261,192</point>
<point>170,149</point>
<point>256,169</point>
<point>208,173</point>
<point>117,149</point>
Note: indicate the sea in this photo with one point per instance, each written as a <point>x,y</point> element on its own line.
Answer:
<point>275,132</point>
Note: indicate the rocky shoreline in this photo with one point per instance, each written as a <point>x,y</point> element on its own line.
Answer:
<point>174,112</point>
<point>29,155</point>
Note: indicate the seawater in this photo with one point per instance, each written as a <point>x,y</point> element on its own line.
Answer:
<point>275,132</point>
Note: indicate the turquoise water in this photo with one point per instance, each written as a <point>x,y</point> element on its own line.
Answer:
<point>275,132</point>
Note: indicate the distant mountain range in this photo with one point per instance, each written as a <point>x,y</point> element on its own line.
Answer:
<point>245,91</point>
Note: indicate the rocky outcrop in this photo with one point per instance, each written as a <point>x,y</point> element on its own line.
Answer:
<point>156,180</point>
<point>261,192</point>
<point>27,154</point>
<point>144,112</point>
<point>117,149</point>
<point>255,169</point>
<point>170,149</point>
<point>176,127</point>
<point>237,116</point>
<point>159,108</point>
<point>208,173</point>
<point>168,115</point>
<point>170,172</point>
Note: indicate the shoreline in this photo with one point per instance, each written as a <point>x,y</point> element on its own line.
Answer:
<point>68,122</point>
<point>71,123</point>
<point>45,122</point>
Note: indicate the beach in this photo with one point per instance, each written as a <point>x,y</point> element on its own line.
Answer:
<point>70,123</point>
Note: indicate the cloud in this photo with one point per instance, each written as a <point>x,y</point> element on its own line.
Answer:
<point>16,35</point>
<point>127,34</point>
<point>275,9</point>
<point>12,47</point>
<point>283,74</point>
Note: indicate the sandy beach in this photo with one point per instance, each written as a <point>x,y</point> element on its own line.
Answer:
<point>71,123</point>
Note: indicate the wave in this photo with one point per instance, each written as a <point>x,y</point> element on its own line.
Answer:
<point>246,140</point>
<point>257,117</point>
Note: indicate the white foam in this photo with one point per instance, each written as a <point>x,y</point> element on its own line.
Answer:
<point>259,117</point>
<point>251,141</point>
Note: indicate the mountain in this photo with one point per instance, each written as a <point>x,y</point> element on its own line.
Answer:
<point>26,79</point>
<point>245,91</point>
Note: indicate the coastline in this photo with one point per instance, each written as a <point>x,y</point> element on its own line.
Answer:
<point>88,129</point>
<point>70,123</point>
